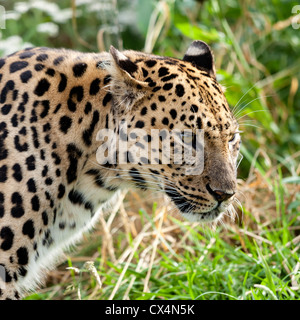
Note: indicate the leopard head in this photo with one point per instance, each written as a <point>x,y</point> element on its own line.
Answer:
<point>159,99</point>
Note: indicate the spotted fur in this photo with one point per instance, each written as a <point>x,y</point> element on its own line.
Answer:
<point>52,104</point>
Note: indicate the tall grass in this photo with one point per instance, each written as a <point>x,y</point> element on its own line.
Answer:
<point>148,254</point>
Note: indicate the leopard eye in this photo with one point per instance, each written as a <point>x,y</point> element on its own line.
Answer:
<point>234,137</point>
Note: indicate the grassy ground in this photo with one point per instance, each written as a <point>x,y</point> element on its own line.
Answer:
<point>133,256</point>
<point>145,251</point>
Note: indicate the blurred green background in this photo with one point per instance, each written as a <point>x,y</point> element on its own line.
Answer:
<point>256,46</point>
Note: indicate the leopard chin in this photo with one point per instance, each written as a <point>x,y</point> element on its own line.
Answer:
<point>209,216</point>
<point>213,215</point>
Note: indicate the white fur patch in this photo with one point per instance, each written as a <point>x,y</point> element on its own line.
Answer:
<point>196,51</point>
<point>117,54</point>
<point>121,56</point>
<point>63,240</point>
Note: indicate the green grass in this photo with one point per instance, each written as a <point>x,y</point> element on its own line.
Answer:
<point>257,260</point>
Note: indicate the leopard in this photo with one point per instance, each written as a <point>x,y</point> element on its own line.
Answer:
<point>55,107</point>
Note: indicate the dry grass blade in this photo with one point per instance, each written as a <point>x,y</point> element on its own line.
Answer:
<point>133,250</point>
<point>75,28</point>
<point>129,253</point>
<point>266,289</point>
<point>158,19</point>
<point>295,284</point>
<point>108,239</point>
<point>89,265</point>
<point>143,263</point>
<point>155,244</point>
<point>255,236</point>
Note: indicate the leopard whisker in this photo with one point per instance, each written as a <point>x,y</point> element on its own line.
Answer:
<point>237,104</point>
<point>237,201</point>
<point>240,160</point>
<point>243,116</point>
<point>258,98</point>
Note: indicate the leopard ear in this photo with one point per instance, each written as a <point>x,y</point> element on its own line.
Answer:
<point>200,54</point>
<point>122,61</point>
<point>126,89</point>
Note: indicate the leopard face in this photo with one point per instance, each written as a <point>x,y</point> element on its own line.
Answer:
<point>58,172</point>
<point>172,95</point>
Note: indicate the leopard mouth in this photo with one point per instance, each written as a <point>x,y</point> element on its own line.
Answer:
<point>207,216</point>
<point>188,209</point>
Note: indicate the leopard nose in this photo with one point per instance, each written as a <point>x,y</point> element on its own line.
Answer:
<point>219,195</point>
